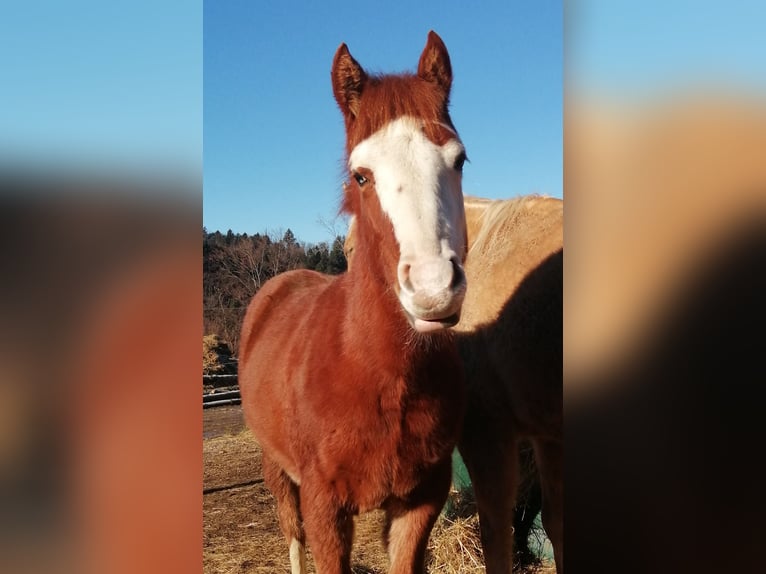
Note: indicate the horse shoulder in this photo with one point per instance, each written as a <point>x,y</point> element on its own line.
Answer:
<point>285,291</point>
<point>278,321</point>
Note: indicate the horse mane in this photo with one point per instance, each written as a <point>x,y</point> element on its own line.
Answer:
<point>501,218</point>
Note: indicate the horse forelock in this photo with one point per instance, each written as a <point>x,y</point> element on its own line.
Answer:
<point>387,98</point>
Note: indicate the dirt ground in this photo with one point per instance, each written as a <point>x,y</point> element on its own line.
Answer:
<point>241,533</point>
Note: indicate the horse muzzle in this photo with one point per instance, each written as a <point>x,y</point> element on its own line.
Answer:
<point>431,292</point>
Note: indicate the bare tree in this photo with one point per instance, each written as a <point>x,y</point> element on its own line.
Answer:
<point>337,226</point>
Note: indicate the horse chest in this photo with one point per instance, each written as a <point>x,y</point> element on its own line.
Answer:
<point>387,445</point>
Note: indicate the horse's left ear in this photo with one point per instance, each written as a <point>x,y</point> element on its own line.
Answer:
<point>434,65</point>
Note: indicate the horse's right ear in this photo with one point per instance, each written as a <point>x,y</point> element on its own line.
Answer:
<point>434,65</point>
<point>348,80</point>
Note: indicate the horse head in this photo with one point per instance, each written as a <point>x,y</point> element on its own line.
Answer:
<point>405,161</point>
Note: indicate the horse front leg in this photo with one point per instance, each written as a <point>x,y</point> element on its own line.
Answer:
<point>288,511</point>
<point>409,522</point>
<point>329,528</point>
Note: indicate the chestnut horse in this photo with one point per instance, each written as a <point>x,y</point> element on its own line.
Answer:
<point>353,384</point>
<point>511,344</point>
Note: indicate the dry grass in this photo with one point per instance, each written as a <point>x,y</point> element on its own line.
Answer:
<point>455,544</point>
<point>455,547</point>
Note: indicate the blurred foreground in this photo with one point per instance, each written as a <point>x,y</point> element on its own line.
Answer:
<point>665,276</point>
<point>99,432</point>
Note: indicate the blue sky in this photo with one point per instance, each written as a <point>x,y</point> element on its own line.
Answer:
<point>273,135</point>
<point>642,48</point>
<point>89,85</point>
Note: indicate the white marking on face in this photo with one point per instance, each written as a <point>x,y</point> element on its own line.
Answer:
<point>421,193</point>
<point>416,183</point>
<point>297,557</point>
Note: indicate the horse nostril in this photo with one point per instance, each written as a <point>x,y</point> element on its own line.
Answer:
<point>404,276</point>
<point>458,276</point>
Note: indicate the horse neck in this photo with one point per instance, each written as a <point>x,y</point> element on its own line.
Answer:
<point>371,294</point>
<point>376,323</point>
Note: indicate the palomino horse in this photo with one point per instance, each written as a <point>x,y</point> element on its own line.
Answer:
<point>511,345</point>
<point>352,384</point>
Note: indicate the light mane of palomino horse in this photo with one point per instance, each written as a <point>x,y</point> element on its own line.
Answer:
<point>352,384</point>
<point>511,345</point>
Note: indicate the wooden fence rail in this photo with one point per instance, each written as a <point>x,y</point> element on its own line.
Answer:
<point>216,399</point>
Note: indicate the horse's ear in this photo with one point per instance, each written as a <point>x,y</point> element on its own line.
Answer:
<point>434,65</point>
<point>348,80</point>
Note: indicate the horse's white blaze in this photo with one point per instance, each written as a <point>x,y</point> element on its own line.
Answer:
<point>297,557</point>
<point>421,193</point>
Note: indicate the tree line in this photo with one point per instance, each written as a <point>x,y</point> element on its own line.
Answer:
<point>235,266</point>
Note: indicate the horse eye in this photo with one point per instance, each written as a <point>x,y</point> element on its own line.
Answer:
<point>459,161</point>
<point>360,179</point>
